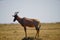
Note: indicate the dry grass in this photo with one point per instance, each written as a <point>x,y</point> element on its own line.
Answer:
<point>16,32</point>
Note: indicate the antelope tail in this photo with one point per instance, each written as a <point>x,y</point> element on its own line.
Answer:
<point>39,25</point>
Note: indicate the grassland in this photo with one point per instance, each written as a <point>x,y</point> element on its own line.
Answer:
<point>16,32</point>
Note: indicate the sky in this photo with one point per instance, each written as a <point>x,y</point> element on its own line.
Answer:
<point>43,10</point>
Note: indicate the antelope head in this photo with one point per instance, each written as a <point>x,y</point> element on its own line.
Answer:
<point>15,16</point>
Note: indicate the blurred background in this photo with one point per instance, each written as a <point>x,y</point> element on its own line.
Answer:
<point>46,11</point>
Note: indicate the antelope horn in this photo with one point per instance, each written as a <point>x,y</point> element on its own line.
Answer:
<point>12,15</point>
<point>16,13</point>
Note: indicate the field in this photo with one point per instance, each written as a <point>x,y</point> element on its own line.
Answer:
<point>16,32</point>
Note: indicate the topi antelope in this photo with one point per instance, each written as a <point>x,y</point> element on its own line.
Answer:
<point>26,22</point>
